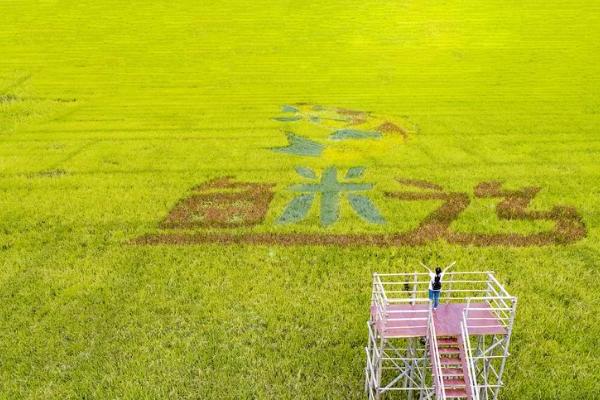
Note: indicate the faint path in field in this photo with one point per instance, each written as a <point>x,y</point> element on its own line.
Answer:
<point>72,154</point>
<point>15,84</point>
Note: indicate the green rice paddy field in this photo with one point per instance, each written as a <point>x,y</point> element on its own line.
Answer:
<point>112,112</point>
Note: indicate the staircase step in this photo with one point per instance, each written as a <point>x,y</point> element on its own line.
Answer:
<point>447,340</point>
<point>454,372</point>
<point>454,383</point>
<point>445,361</point>
<point>449,350</point>
<point>456,393</point>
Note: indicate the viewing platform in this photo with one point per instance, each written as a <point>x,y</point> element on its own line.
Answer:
<point>404,321</point>
<point>457,351</point>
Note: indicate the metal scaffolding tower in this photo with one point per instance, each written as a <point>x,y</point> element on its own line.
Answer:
<point>457,351</point>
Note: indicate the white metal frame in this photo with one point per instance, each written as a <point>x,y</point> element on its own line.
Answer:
<point>405,365</point>
<point>474,388</point>
<point>440,392</point>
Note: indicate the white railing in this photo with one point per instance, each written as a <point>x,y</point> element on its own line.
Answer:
<point>457,286</point>
<point>500,308</point>
<point>415,318</point>
<point>474,388</point>
<point>440,391</point>
<point>379,299</point>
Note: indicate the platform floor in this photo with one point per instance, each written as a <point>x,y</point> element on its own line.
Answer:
<point>446,318</point>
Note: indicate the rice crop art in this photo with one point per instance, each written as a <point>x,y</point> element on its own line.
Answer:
<point>250,206</point>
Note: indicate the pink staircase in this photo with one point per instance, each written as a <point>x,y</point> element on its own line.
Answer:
<point>453,366</point>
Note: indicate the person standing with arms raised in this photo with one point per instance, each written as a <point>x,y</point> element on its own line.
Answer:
<point>435,283</point>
